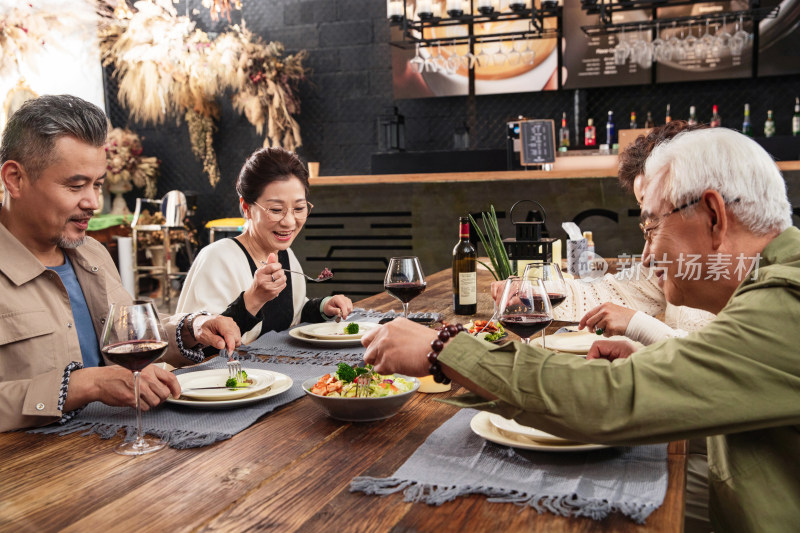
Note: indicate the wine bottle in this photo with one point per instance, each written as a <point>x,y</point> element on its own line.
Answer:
<point>465,268</point>
<point>692,116</point>
<point>649,122</point>
<point>563,133</point>
<point>669,116</point>
<point>747,128</point>
<point>769,125</point>
<point>634,124</point>
<point>590,134</point>
<point>796,118</point>
<point>716,120</point>
<point>611,130</point>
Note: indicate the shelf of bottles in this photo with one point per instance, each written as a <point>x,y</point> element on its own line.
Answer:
<point>423,22</point>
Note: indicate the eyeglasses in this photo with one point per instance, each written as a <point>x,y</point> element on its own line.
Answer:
<point>651,224</point>
<point>276,214</point>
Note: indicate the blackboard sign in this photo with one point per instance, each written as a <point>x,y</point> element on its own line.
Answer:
<point>537,142</point>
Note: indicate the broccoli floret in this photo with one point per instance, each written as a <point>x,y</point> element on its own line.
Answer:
<point>362,369</point>
<point>239,381</point>
<point>351,328</point>
<point>231,383</point>
<point>242,378</point>
<point>346,373</point>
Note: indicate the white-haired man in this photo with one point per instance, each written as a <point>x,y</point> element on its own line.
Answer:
<point>713,200</point>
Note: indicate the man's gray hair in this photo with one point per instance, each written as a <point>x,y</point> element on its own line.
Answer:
<point>32,131</point>
<point>730,163</point>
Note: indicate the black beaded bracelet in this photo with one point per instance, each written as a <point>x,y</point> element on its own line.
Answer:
<point>437,345</point>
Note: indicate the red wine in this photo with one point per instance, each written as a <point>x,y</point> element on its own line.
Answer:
<point>135,355</point>
<point>525,325</point>
<point>405,292</point>
<point>465,280</point>
<point>556,299</point>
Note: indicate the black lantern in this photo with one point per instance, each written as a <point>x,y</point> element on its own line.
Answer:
<point>529,244</point>
<point>391,131</point>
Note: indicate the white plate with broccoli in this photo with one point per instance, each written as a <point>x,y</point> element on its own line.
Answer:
<point>256,380</point>
<point>331,333</point>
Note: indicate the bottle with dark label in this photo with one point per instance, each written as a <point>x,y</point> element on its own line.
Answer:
<point>692,116</point>
<point>796,118</point>
<point>649,122</point>
<point>747,128</point>
<point>563,133</point>
<point>634,125</point>
<point>590,134</point>
<point>769,125</point>
<point>611,130</point>
<point>716,120</point>
<point>465,268</point>
<point>669,116</point>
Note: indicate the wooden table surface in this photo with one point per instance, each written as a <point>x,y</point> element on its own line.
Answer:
<point>290,471</point>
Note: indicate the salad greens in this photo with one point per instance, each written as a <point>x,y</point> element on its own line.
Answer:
<point>342,383</point>
<point>347,374</point>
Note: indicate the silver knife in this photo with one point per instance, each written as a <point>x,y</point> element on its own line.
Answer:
<point>214,388</point>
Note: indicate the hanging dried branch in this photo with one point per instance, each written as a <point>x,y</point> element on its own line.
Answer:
<point>201,134</point>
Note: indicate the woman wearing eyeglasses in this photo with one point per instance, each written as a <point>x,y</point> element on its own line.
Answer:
<point>243,277</point>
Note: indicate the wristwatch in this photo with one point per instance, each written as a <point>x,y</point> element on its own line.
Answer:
<point>190,322</point>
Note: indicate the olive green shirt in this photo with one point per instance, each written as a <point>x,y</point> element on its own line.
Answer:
<point>736,381</point>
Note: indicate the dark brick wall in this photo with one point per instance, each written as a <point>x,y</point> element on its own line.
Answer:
<point>351,82</point>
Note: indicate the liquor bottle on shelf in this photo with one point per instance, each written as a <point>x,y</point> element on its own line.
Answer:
<point>769,125</point>
<point>611,130</point>
<point>716,120</point>
<point>747,129</point>
<point>590,134</point>
<point>796,118</point>
<point>649,122</point>
<point>465,268</point>
<point>563,133</point>
<point>692,116</point>
<point>634,125</point>
<point>669,116</point>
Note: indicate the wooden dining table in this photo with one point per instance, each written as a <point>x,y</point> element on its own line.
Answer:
<point>289,471</point>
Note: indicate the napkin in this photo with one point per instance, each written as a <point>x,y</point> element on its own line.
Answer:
<point>454,461</point>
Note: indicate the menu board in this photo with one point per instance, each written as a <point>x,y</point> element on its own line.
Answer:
<point>537,142</point>
<point>589,60</point>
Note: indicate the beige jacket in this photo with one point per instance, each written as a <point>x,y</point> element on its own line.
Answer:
<point>37,335</point>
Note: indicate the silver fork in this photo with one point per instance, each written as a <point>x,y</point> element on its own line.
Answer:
<point>309,278</point>
<point>234,366</point>
<point>362,384</point>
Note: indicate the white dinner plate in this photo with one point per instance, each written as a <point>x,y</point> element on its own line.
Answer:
<point>335,330</point>
<point>262,379</point>
<point>281,384</point>
<point>577,342</point>
<point>482,426</point>
<point>515,428</point>
<point>338,343</point>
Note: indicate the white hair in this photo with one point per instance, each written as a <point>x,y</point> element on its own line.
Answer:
<point>727,162</point>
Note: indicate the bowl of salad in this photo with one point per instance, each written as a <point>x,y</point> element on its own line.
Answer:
<point>335,393</point>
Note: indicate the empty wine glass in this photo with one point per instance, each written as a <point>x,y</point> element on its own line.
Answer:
<point>705,44</point>
<point>740,38</point>
<point>514,54</point>
<point>484,58</point>
<point>661,50</point>
<point>499,57</point>
<point>676,44</point>
<point>430,62</point>
<point>722,37</point>
<point>524,308</point>
<point>552,281</point>
<point>453,59</point>
<point>642,50</point>
<point>470,59</point>
<point>690,41</point>
<point>529,54</point>
<point>133,338</point>
<point>440,61</point>
<point>417,63</point>
<point>622,51</point>
<point>404,280</point>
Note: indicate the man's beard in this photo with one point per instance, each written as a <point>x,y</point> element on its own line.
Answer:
<point>63,242</point>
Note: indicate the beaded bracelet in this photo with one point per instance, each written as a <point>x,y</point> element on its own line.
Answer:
<point>437,345</point>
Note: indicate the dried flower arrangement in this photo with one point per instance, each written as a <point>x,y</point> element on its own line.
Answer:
<point>217,7</point>
<point>156,238</point>
<point>125,163</point>
<point>167,67</point>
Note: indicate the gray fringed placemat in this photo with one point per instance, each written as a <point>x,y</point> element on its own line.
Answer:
<point>277,346</point>
<point>185,427</point>
<point>454,461</point>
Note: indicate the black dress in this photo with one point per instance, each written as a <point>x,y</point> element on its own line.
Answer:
<point>277,314</point>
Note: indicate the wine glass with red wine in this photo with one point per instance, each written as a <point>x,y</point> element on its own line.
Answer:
<point>404,280</point>
<point>524,307</point>
<point>133,338</point>
<point>553,281</point>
